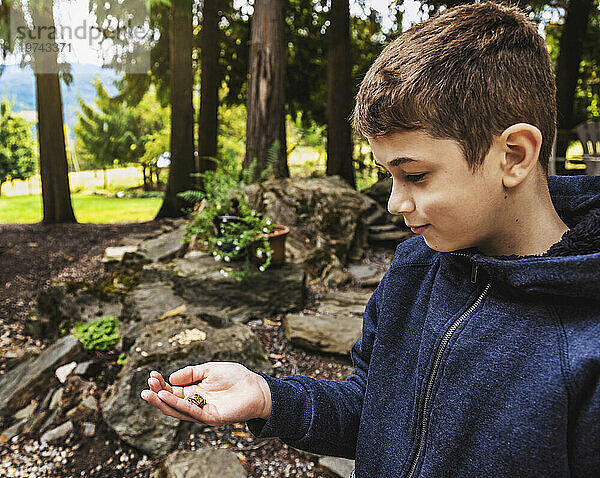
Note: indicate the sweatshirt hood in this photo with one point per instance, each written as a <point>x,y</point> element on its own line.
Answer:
<point>571,267</point>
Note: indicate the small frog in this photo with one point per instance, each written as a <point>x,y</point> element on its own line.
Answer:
<point>197,400</point>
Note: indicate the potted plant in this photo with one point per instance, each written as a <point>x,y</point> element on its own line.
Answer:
<point>225,224</point>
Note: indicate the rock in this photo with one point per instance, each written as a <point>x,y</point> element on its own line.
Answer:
<point>56,398</point>
<point>89,368</point>
<point>89,429</point>
<point>63,304</point>
<point>165,246</point>
<point>203,463</point>
<point>362,272</point>
<point>75,390</point>
<point>343,303</point>
<point>46,402</point>
<point>115,254</point>
<point>191,338</point>
<point>35,423</point>
<point>328,333</point>
<point>135,421</point>
<point>333,275</point>
<point>36,375</point>
<point>148,301</point>
<point>218,298</point>
<point>57,434</point>
<point>335,325</point>
<point>337,466</point>
<point>388,234</point>
<point>12,431</point>
<point>16,354</point>
<point>50,420</point>
<point>380,191</point>
<point>63,372</point>
<point>26,412</point>
<point>84,410</point>
<point>322,213</point>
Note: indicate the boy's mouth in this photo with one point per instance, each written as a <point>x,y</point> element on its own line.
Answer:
<point>419,229</point>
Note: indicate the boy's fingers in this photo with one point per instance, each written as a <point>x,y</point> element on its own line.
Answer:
<point>154,385</point>
<point>161,380</point>
<point>153,399</point>
<point>179,404</point>
<point>189,374</point>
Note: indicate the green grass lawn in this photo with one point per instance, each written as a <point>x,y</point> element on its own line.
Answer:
<point>87,208</point>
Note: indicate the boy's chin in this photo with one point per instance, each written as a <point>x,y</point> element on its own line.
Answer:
<point>442,247</point>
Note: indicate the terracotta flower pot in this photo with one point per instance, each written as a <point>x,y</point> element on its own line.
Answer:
<point>277,242</point>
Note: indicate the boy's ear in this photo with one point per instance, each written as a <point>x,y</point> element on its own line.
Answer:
<point>521,144</point>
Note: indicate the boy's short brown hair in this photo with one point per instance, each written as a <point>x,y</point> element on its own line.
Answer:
<point>466,74</point>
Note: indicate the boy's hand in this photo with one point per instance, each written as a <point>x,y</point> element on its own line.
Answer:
<point>232,392</point>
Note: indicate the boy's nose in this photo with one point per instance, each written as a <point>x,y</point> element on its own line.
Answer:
<point>399,202</point>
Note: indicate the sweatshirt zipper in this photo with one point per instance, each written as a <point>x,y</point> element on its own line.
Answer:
<point>432,375</point>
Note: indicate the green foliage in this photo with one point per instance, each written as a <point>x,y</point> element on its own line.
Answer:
<point>122,358</point>
<point>17,148</point>
<point>98,334</point>
<point>116,132</point>
<point>223,195</point>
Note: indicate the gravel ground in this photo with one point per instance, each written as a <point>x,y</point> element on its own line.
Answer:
<point>32,256</point>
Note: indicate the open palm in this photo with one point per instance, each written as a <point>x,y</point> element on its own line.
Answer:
<point>232,392</point>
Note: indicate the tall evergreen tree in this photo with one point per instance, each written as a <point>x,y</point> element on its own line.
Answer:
<point>209,85</point>
<point>339,93</point>
<point>265,121</point>
<point>54,171</point>
<point>182,110</point>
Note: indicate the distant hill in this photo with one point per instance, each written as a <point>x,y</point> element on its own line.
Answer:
<point>19,85</point>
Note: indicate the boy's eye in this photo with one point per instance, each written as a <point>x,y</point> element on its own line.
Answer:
<point>415,178</point>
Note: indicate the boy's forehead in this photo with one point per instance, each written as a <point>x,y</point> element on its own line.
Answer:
<point>413,147</point>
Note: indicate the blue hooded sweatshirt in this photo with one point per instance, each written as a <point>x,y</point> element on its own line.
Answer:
<point>468,365</point>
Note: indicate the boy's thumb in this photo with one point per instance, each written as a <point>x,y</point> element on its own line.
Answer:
<point>189,375</point>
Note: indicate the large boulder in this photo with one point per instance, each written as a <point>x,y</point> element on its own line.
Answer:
<point>198,281</point>
<point>166,346</point>
<point>136,422</point>
<point>325,215</point>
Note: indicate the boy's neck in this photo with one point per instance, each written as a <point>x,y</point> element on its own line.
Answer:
<point>529,224</point>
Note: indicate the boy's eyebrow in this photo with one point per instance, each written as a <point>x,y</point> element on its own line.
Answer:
<point>400,160</point>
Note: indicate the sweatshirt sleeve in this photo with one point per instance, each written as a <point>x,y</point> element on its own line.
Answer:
<point>322,416</point>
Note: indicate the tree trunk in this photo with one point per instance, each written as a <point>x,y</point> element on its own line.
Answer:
<point>182,110</point>
<point>577,17</point>
<point>209,86</point>
<point>54,171</point>
<point>105,186</point>
<point>339,93</point>
<point>265,121</point>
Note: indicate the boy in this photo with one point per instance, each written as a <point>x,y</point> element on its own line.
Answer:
<point>480,352</point>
